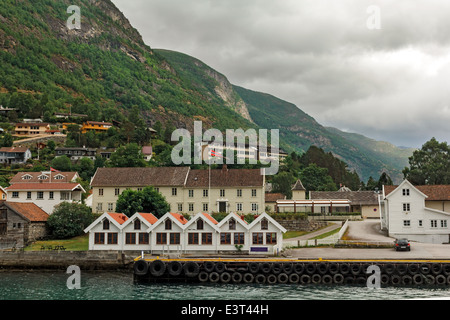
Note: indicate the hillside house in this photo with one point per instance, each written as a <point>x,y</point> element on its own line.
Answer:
<point>14,155</point>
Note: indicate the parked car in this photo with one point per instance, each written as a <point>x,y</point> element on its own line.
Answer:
<point>402,244</point>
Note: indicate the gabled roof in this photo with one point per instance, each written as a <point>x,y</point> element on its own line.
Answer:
<point>271,220</point>
<point>225,178</point>
<point>205,217</point>
<point>148,218</point>
<point>29,211</point>
<point>34,177</point>
<point>433,192</point>
<point>298,186</point>
<point>118,219</point>
<point>14,149</point>
<point>273,197</point>
<point>179,220</point>
<point>233,215</point>
<point>356,197</point>
<point>140,177</point>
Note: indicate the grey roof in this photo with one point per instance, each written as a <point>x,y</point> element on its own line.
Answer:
<point>356,197</point>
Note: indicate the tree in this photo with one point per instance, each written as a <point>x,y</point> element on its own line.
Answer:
<point>62,163</point>
<point>69,219</point>
<point>282,183</point>
<point>315,178</point>
<point>128,156</point>
<point>429,165</point>
<point>147,200</point>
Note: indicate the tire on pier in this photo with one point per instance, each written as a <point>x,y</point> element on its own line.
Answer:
<point>361,281</point>
<point>430,279</point>
<point>322,268</point>
<point>220,267</point>
<point>385,279</point>
<point>446,269</point>
<point>299,268</point>
<point>389,268</point>
<point>396,279</point>
<point>253,267</point>
<point>214,277</point>
<point>271,279</point>
<point>174,268</point>
<point>413,269</point>
<point>294,278</point>
<point>316,278</point>
<point>248,278</point>
<point>418,279</point>
<point>436,268</point>
<point>327,279</point>
<point>344,268</point>
<point>225,277</point>
<point>260,279</point>
<point>333,268</point>
<point>310,268</point>
<point>349,280</point>
<point>402,268</point>
<point>140,268</point>
<point>288,268</point>
<point>441,280</point>
<point>283,278</point>
<point>338,278</point>
<point>407,280</point>
<point>191,269</point>
<point>355,269</point>
<point>203,276</point>
<point>425,268</point>
<point>208,266</point>
<point>266,267</point>
<point>277,268</point>
<point>305,279</point>
<point>236,277</point>
<point>157,268</point>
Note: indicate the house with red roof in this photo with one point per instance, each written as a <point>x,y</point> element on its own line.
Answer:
<point>105,233</point>
<point>21,224</point>
<point>418,213</point>
<point>136,236</point>
<point>201,234</point>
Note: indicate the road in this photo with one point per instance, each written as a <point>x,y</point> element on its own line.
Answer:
<point>369,230</point>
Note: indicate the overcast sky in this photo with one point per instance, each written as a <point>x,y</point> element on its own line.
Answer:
<point>328,57</point>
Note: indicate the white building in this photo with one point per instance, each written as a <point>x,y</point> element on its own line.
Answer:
<point>174,233</point>
<point>411,212</point>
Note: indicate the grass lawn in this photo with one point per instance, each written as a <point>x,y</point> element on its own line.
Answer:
<point>80,243</point>
<point>294,234</point>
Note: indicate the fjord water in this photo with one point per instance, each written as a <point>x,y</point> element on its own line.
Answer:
<point>120,286</point>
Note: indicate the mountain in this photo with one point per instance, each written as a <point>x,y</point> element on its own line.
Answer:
<point>298,130</point>
<point>105,69</point>
<point>102,69</point>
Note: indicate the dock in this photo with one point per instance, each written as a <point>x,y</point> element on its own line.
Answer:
<point>292,271</point>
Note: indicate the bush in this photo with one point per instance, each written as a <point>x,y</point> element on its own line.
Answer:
<point>69,220</point>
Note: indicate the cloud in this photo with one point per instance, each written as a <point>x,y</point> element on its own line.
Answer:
<point>389,84</point>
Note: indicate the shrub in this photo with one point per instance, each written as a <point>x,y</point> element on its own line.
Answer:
<point>69,220</point>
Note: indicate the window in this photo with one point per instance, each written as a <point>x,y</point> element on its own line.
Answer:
<point>28,194</point>
<point>254,207</point>
<point>406,207</point>
<point>174,191</point>
<point>3,228</point>
<point>232,224</point>
<point>64,195</point>
<point>99,206</point>
<point>168,224</point>
<point>191,207</point>
<point>161,238</point>
<point>99,238</point>
<point>257,238</point>
<point>111,206</point>
<point>271,238</point>
<point>42,177</point>
<point>116,192</point>
<point>130,238</point>
<point>405,192</point>
<point>143,238</point>
<point>199,224</point>
<point>51,195</point>
<point>222,193</point>
<point>407,223</point>
<point>264,224</point>
<point>443,223</point>
<point>205,207</point>
<point>59,177</point>
<point>420,223</point>
<point>106,224</point>
<point>112,238</point>
<point>174,238</point>
<point>100,192</point>
<point>137,224</point>
<point>205,193</point>
<point>206,238</point>
<point>192,238</point>
<point>15,194</point>
<point>40,195</point>
<point>27,177</point>
<point>238,206</point>
<point>253,192</point>
<point>225,238</point>
<point>239,238</point>
<point>191,193</point>
<point>180,207</point>
<point>239,192</point>
<point>139,189</point>
<point>433,223</point>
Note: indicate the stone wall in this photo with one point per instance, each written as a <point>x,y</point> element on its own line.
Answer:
<point>301,224</point>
